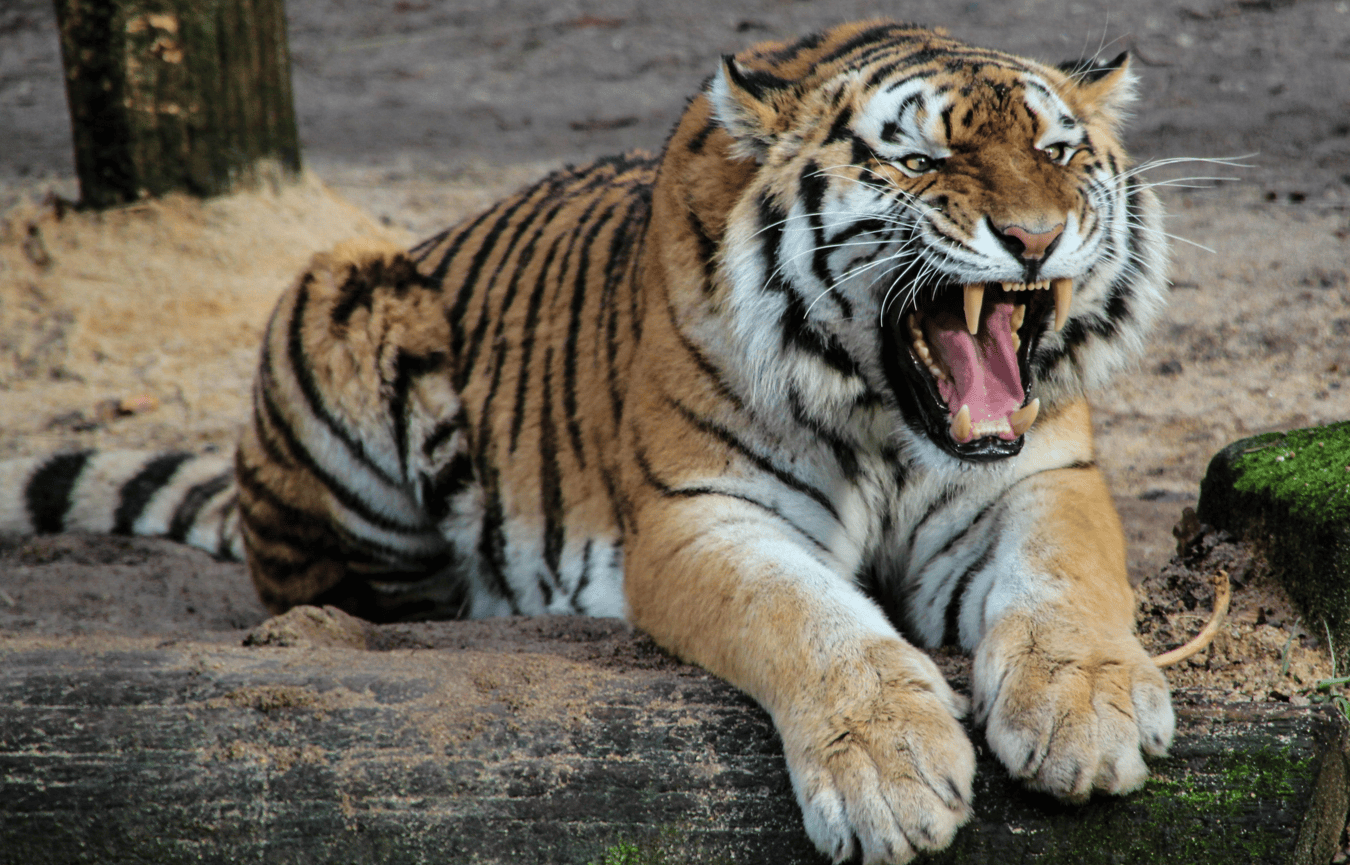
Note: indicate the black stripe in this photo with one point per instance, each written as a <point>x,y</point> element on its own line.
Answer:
<point>527,341</point>
<point>947,496</point>
<point>761,462</point>
<point>839,130</point>
<point>951,629</point>
<point>185,515</point>
<point>571,347</point>
<point>486,245</point>
<point>437,274</point>
<point>800,333</point>
<point>616,268</point>
<point>844,453</point>
<point>701,360</point>
<point>813,185</point>
<point>303,371</point>
<point>789,53</point>
<point>492,531</point>
<point>584,580</point>
<point>518,265</point>
<point>441,433</point>
<point>667,491</point>
<point>47,494</point>
<point>707,249</point>
<point>407,368</point>
<point>698,139</point>
<point>349,499</point>
<point>223,534</point>
<point>550,474</point>
<point>884,33</point>
<point>308,533</point>
<point>135,495</point>
<point>358,289</point>
<point>857,229</point>
<point>757,82</point>
<point>448,481</point>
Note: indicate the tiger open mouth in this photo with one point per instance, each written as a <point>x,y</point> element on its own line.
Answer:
<point>959,362</point>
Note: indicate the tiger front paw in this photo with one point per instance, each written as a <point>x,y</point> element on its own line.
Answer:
<point>1068,711</point>
<point>889,770</point>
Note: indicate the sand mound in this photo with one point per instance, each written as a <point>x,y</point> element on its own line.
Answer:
<point>140,326</point>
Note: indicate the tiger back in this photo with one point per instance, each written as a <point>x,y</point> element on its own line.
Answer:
<point>801,393</point>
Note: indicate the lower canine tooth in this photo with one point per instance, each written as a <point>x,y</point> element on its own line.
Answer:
<point>961,425</point>
<point>1063,298</point>
<point>974,302</point>
<point>1022,419</point>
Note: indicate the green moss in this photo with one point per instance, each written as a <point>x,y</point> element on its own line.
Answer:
<point>667,846</point>
<point>1213,804</point>
<point>625,853</point>
<point>1289,494</point>
<point>1307,470</point>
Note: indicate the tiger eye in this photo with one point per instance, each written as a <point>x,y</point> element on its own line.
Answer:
<point>919,163</point>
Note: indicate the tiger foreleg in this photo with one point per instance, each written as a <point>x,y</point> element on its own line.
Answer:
<point>1068,695</point>
<point>869,726</point>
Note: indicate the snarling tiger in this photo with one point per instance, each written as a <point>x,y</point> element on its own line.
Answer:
<point>811,378</point>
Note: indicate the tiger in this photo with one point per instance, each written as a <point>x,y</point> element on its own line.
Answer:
<point>799,397</point>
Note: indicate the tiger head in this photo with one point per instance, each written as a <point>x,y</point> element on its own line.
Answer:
<point>942,229</point>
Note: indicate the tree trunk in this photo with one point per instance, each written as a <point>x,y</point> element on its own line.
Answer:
<point>553,740</point>
<point>175,95</point>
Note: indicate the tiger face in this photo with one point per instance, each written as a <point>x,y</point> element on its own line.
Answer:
<point>956,221</point>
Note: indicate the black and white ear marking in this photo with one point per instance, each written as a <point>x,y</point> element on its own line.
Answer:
<point>1108,88</point>
<point>745,101</point>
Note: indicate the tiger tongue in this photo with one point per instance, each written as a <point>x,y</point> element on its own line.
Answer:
<point>984,373</point>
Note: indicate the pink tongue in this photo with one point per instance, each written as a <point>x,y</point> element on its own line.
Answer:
<point>984,367</point>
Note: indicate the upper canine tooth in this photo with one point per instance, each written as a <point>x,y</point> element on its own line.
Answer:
<point>1063,298</point>
<point>1022,419</point>
<point>974,302</point>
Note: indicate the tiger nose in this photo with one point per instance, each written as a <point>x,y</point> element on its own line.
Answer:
<point>1028,245</point>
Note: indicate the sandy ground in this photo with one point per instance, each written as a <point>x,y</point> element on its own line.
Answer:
<point>139,326</point>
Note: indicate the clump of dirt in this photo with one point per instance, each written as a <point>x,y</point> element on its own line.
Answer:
<point>1264,651</point>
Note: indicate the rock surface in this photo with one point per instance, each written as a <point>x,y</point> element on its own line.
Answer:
<point>545,740</point>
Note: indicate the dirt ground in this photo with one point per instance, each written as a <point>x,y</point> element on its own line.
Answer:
<point>138,327</point>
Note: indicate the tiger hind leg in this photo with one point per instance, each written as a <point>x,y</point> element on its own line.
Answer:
<point>354,448</point>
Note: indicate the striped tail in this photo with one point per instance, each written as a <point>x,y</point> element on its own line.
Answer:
<point>190,498</point>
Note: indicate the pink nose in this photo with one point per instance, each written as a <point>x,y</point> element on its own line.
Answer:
<point>1029,245</point>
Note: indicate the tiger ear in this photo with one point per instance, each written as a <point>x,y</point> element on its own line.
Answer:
<point>1104,89</point>
<point>746,103</point>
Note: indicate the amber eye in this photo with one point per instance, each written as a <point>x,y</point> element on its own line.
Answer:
<point>920,163</point>
<point>1060,153</point>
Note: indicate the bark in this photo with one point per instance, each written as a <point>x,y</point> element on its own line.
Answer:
<point>176,95</point>
<point>540,741</point>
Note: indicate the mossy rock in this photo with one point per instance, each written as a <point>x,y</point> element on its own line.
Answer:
<point>1289,494</point>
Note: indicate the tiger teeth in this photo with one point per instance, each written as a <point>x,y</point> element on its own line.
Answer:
<point>1026,286</point>
<point>1063,298</point>
<point>961,430</point>
<point>1024,417</point>
<point>1019,314</point>
<point>921,349</point>
<point>974,302</point>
